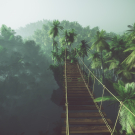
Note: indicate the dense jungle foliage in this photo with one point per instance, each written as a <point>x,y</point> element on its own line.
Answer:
<point>26,64</point>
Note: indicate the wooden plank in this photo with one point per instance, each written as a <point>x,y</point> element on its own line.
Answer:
<point>77,95</point>
<point>75,78</point>
<point>78,103</point>
<point>70,71</point>
<point>74,81</point>
<point>69,94</point>
<point>78,99</point>
<point>76,92</point>
<point>76,86</point>
<point>70,65</point>
<point>86,129</point>
<point>83,115</point>
<point>73,84</point>
<point>89,107</point>
<point>73,75</point>
<point>88,121</point>
<point>76,89</point>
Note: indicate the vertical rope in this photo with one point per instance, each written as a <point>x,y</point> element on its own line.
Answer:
<point>66,104</point>
<point>102,99</point>
<point>117,117</point>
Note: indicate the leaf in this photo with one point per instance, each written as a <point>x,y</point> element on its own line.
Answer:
<point>131,48</point>
<point>99,99</point>
<point>121,83</point>
<point>112,103</point>
<point>71,61</point>
<point>118,89</point>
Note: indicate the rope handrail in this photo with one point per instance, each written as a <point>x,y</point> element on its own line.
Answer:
<point>102,97</point>
<point>66,104</point>
<point>109,91</point>
<point>96,103</point>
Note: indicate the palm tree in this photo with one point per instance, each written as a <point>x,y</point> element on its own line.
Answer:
<point>82,50</point>
<point>130,60</point>
<point>62,53</point>
<point>127,96</point>
<point>55,45</point>
<point>114,64</point>
<point>57,57</point>
<point>95,58</point>
<point>72,36</point>
<point>131,31</point>
<point>55,29</point>
<point>73,56</point>
<point>126,73</point>
<point>65,40</point>
<point>101,45</point>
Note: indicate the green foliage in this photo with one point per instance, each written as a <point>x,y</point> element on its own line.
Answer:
<point>73,56</point>
<point>7,33</point>
<point>127,95</point>
<point>55,28</point>
<point>115,48</point>
<point>101,80</point>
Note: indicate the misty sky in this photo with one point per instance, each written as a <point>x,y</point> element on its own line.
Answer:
<point>110,15</point>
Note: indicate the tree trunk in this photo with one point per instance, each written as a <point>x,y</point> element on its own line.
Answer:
<point>102,68</point>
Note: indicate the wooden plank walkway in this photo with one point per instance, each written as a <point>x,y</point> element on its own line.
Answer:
<point>79,99</point>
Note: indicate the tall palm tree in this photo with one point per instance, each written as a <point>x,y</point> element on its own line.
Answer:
<point>62,53</point>
<point>65,39</point>
<point>127,96</point>
<point>130,60</point>
<point>126,73</point>
<point>114,64</point>
<point>82,50</point>
<point>131,31</point>
<point>72,36</point>
<point>101,45</point>
<point>95,58</point>
<point>55,30</point>
<point>57,57</point>
<point>55,45</point>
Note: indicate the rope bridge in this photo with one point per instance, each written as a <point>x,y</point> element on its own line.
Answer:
<point>78,87</point>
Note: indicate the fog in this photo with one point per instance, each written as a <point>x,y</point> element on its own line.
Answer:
<point>110,15</point>
<point>31,89</point>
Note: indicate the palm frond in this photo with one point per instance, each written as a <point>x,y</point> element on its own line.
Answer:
<point>105,98</point>
<point>131,48</point>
